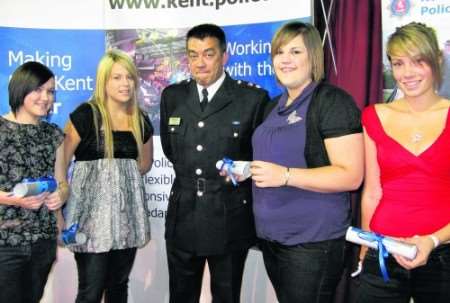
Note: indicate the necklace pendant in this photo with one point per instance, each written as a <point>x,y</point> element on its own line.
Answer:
<point>416,137</point>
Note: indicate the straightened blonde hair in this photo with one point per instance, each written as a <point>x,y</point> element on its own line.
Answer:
<point>419,42</point>
<point>98,101</point>
<point>311,39</point>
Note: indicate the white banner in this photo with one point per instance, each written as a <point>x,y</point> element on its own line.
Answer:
<point>115,14</point>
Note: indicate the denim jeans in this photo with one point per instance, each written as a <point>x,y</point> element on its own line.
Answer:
<point>107,273</point>
<point>307,272</point>
<point>428,283</point>
<point>24,271</point>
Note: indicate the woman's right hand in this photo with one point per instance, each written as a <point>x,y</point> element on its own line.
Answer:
<point>31,202</point>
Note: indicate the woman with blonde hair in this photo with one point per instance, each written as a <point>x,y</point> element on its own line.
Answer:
<point>111,139</point>
<point>407,179</point>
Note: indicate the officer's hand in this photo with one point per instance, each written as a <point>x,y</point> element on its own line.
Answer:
<point>238,178</point>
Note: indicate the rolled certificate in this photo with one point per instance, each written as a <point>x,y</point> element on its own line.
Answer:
<point>367,238</point>
<point>72,237</point>
<point>31,187</point>
<point>239,168</point>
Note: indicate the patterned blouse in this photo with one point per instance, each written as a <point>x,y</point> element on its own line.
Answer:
<point>107,195</point>
<point>26,151</point>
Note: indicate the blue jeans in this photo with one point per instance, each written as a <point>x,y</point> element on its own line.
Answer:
<point>307,272</point>
<point>107,273</point>
<point>24,271</point>
<point>428,283</point>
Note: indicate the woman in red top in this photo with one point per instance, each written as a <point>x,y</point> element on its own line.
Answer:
<point>407,182</point>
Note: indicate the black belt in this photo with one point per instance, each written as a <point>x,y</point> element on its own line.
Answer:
<point>202,185</point>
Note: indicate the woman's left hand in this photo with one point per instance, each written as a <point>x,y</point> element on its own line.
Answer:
<point>424,247</point>
<point>54,201</point>
<point>266,174</point>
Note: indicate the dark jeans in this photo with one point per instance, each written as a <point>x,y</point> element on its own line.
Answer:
<point>306,272</point>
<point>186,273</point>
<point>107,273</point>
<point>24,271</point>
<point>428,283</point>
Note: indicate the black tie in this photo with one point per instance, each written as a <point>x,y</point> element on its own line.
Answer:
<point>204,101</point>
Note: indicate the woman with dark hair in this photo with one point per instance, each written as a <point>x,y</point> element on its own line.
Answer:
<point>308,156</point>
<point>30,147</point>
<point>407,179</point>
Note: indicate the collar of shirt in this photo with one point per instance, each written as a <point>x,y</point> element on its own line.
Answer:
<point>212,89</point>
<point>304,95</point>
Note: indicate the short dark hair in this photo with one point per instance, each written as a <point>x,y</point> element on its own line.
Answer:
<point>206,30</point>
<point>25,79</point>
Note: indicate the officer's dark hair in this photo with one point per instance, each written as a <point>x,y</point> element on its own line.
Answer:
<point>206,30</point>
<point>25,79</point>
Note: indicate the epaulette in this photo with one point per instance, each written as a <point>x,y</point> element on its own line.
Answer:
<point>185,81</point>
<point>247,84</point>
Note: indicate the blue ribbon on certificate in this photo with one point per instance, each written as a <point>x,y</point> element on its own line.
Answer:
<point>227,165</point>
<point>382,252</point>
<point>69,235</point>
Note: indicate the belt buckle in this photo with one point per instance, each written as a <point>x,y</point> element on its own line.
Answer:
<point>201,186</point>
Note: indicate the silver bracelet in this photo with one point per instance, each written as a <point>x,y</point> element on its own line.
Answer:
<point>435,239</point>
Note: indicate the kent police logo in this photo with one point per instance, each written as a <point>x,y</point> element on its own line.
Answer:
<point>400,8</point>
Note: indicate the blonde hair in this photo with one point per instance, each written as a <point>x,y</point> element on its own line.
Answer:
<point>98,101</point>
<point>419,42</point>
<point>311,39</point>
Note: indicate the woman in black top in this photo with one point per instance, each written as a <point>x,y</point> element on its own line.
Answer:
<point>111,139</point>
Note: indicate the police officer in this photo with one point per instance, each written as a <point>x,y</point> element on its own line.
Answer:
<point>204,120</point>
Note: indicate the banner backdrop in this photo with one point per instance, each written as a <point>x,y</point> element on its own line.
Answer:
<point>434,13</point>
<point>71,36</point>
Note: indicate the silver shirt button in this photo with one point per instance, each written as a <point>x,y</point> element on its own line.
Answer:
<point>199,147</point>
<point>201,124</point>
<point>198,171</point>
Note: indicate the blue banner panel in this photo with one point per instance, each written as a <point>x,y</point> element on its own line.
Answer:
<point>160,56</point>
<point>72,55</point>
<point>249,53</point>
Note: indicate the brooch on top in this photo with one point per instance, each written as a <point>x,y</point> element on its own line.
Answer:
<point>293,118</point>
